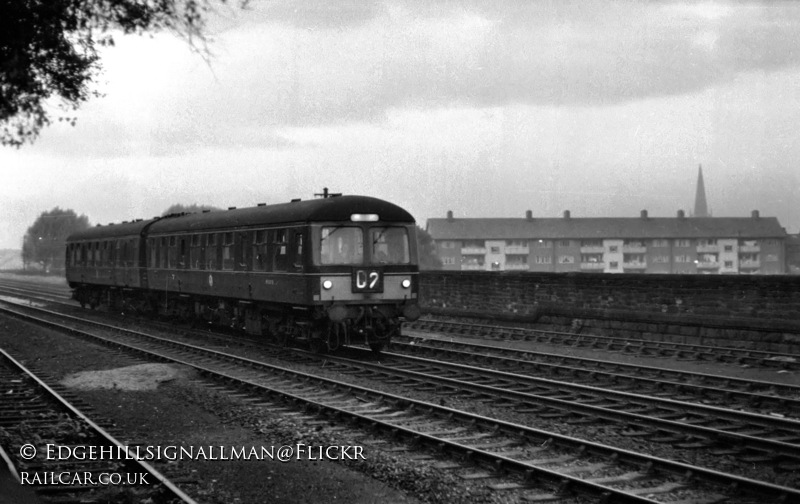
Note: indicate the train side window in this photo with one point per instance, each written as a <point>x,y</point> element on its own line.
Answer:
<point>183,254</point>
<point>227,251</point>
<point>211,252</point>
<point>172,253</point>
<point>124,254</point>
<point>195,253</point>
<point>152,260</point>
<point>280,254</point>
<point>162,252</point>
<point>298,250</point>
<point>260,255</point>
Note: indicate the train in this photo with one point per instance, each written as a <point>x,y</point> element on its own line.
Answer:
<point>329,272</point>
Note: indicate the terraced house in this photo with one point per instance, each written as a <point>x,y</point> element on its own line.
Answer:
<point>702,245</point>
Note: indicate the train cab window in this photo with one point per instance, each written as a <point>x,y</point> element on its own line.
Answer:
<point>260,254</point>
<point>388,245</point>
<point>280,257</point>
<point>195,253</point>
<point>341,245</point>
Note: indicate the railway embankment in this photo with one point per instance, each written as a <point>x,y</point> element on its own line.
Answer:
<point>758,312</point>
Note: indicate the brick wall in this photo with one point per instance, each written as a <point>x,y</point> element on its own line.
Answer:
<point>765,302</point>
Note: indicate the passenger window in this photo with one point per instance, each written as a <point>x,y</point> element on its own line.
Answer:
<point>260,254</point>
<point>280,254</point>
<point>227,251</point>
<point>298,251</point>
<point>211,252</point>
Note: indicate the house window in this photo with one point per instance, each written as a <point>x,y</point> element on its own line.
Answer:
<point>448,244</point>
<point>683,243</point>
<point>447,261</point>
<point>661,243</point>
<point>613,248</point>
<point>564,243</point>
<point>729,264</point>
<point>544,260</point>
<point>728,248</point>
<point>566,259</point>
<point>542,243</point>
<point>662,259</point>
<point>613,265</point>
<point>495,250</point>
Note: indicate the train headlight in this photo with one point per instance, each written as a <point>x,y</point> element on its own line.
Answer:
<point>406,283</point>
<point>327,284</point>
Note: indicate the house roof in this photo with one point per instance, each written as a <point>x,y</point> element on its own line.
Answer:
<point>605,228</point>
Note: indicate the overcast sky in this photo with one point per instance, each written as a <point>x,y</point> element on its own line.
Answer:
<point>488,109</point>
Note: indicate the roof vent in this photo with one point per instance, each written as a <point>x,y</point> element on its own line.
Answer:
<point>231,208</point>
<point>298,199</point>
<point>206,211</point>
<point>449,216</point>
<point>566,214</point>
<point>262,204</point>
<point>644,214</point>
<point>755,214</point>
<point>681,214</point>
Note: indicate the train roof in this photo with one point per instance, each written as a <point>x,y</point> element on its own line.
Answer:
<point>133,228</point>
<point>335,208</point>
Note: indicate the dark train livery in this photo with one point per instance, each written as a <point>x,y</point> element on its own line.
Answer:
<point>331,271</point>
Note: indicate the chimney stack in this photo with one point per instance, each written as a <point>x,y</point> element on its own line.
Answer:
<point>644,214</point>
<point>528,215</point>
<point>566,214</point>
<point>449,216</point>
<point>681,214</point>
<point>755,214</point>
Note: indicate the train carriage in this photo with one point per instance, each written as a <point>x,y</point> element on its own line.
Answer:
<point>332,271</point>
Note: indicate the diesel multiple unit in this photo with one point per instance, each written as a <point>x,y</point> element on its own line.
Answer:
<point>331,271</point>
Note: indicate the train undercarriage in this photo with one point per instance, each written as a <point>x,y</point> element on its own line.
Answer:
<point>321,328</point>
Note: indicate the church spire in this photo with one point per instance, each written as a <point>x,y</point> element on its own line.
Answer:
<point>700,207</point>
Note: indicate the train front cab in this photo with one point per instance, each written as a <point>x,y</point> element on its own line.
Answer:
<point>368,278</point>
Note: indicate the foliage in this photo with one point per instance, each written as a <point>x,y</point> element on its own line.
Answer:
<point>428,260</point>
<point>44,242</point>
<point>193,208</point>
<point>49,49</point>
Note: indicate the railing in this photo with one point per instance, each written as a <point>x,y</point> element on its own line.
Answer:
<point>473,250</point>
<point>749,248</point>
<point>593,266</point>
<point>640,249</point>
<point>708,265</point>
<point>708,248</point>
<point>472,267</point>
<point>634,265</point>
<point>750,264</point>
<point>517,249</point>
<point>516,267</point>
<point>592,249</point>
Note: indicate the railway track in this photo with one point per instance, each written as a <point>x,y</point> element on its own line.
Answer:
<point>608,343</point>
<point>46,460</point>
<point>545,464</point>
<point>764,397</point>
